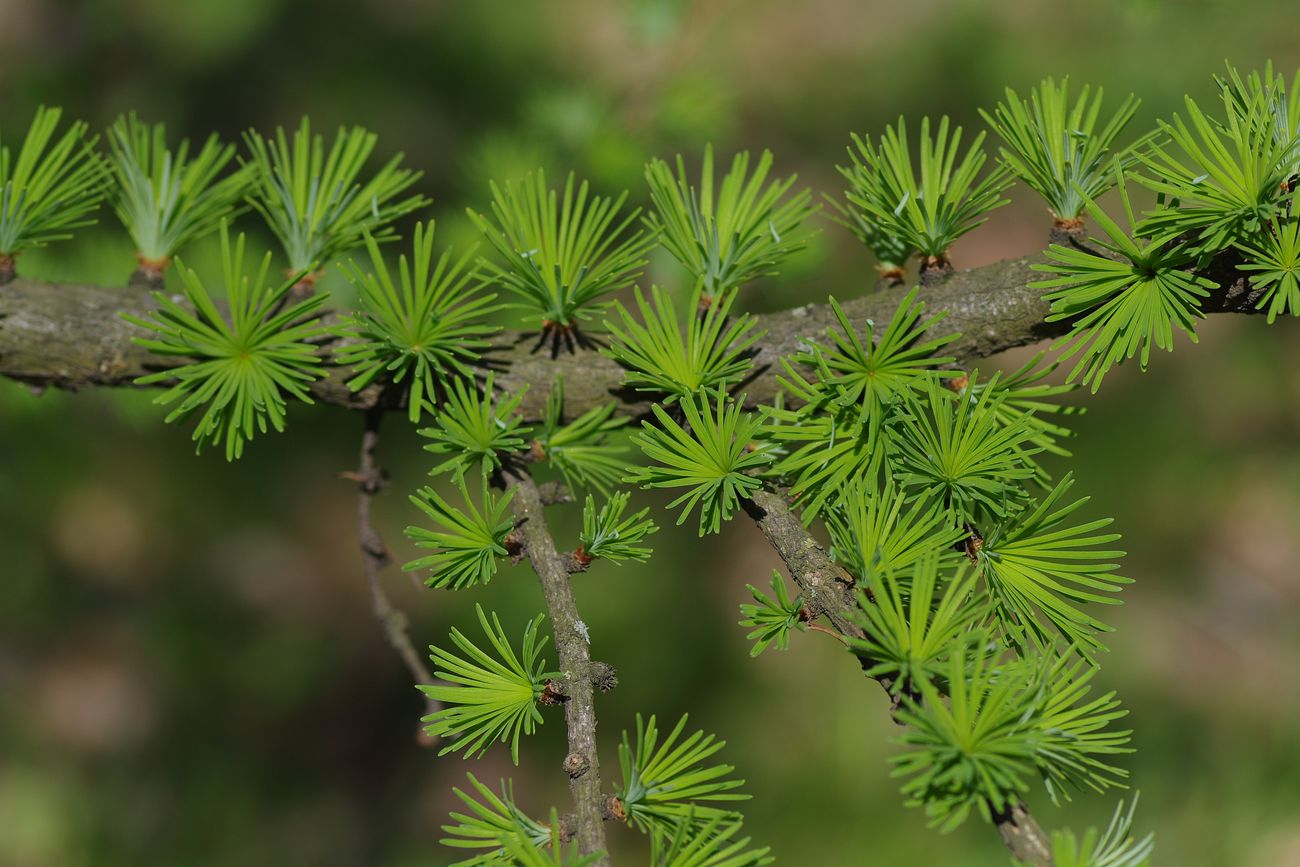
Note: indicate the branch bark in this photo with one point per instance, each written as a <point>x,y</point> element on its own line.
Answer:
<point>582,764</point>
<point>828,591</point>
<point>374,557</point>
<point>70,336</point>
<point>1025,837</point>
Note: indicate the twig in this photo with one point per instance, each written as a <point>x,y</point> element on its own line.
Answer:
<point>1025,837</point>
<point>582,764</point>
<point>374,557</point>
<point>828,591</point>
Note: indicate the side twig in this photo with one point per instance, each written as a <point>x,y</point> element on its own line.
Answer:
<point>370,481</point>
<point>828,590</point>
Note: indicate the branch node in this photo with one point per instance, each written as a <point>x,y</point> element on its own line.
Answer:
<point>603,676</point>
<point>577,561</point>
<point>553,693</point>
<point>614,809</point>
<point>575,765</point>
<point>555,493</point>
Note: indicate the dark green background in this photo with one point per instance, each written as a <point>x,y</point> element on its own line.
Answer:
<point>189,672</point>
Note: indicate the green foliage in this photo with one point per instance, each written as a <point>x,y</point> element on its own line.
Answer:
<point>524,852</point>
<point>247,360</point>
<point>908,634</point>
<point>891,251</point>
<point>1281,105</point>
<point>1120,304</point>
<point>1056,148</point>
<point>663,783</point>
<point>877,372</point>
<point>561,256</point>
<point>608,535</point>
<point>51,187</point>
<point>495,697</point>
<point>824,451</point>
<point>711,456</point>
<point>1117,847</point>
<point>314,201</point>
<point>1021,399</point>
<point>1003,722</point>
<point>493,822</point>
<point>931,211</point>
<point>1040,569</point>
<point>772,618</point>
<point>165,198</point>
<point>708,844</point>
<point>1228,184</point>
<point>1073,744</point>
<point>856,386</point>
<point>731,235</point>
<point>474,427</point>
<point>973,752</point>
<point>580,449</point>
<point>1274,263</point>
<point>873,530</point>
<point>713,352</point>
<point>466,543</point>
<point>957,449</point>
<point>430,326</point>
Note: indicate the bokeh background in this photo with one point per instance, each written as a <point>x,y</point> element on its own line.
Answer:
<point>189,670</point>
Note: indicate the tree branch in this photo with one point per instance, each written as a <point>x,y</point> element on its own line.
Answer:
<point>70,336</point>
<point>1025,837</point>
<point>582,764</point>
<point>370,481</point>
<point>827,590</point>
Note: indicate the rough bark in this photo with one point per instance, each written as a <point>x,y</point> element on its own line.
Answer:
<point>70,336</point>
<point>582,764</point>
<point>825,588</point>
<point>1025,838</point>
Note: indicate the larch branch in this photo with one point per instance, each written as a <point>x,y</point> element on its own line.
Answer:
<point>70,336</point>
<point>582,764</point>
<point>374,557</point>
<point>828,591</point>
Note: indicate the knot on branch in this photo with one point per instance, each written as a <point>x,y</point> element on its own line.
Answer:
<point>1069,233</point>
<point>577,561</point>
<point>150,273</point>
<point>553,693</point>
<point>935,269</point>
<point>575,765</point>
<point>972,544</point>
<point>614,809</point>
<point>514,545</point>
<point>554,493</point>
<point>374,548</point>
<point>371,480</point>
<point>603,676</point>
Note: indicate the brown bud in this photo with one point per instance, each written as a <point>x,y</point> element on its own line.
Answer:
<point>552,694</point>
<point>615,810</point>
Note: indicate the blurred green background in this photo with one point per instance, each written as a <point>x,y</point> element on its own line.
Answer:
<point>189,671</point>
